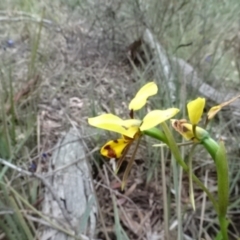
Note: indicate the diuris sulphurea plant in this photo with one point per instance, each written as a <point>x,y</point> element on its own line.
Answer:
<point>154,124</point>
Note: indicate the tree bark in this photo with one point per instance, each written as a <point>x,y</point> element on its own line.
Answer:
<point>71,183</point>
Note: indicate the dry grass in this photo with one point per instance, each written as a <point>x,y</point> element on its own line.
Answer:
<point>78,54</point>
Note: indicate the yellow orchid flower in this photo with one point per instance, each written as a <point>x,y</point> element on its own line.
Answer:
<point>130,129</point>
<point>195,108</point>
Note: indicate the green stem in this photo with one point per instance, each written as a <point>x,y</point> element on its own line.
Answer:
<point>223,187</point>
<point>211,146</point>
<point>165,198</point>
<point>223,222</point>
<point>218,154</point>
<point>191,192</point>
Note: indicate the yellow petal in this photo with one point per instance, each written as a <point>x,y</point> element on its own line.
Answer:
<point>114,123</point>
<point>195,110</point>
<point>114,148</point>
<point>156,117</point>
<point>140,99</point>
<point>108,122</point>
<point>214,110</point>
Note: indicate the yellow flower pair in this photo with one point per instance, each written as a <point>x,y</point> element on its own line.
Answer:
<point>132,129</point>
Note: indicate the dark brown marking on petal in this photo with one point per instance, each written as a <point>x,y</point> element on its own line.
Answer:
<point>110,152</point>
<point>184,129</point>
<point>115,141</point>
<point>175,124</point>
<point>107,147</point>
<point>131,114</point>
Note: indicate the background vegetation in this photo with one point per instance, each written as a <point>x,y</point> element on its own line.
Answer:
<point>68,60</point>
